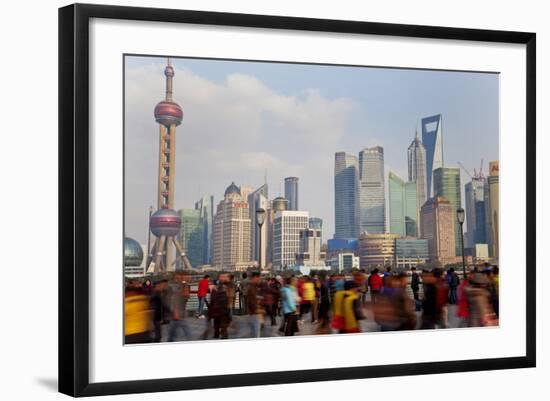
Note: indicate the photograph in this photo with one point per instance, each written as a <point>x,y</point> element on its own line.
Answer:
<point>267,199</point>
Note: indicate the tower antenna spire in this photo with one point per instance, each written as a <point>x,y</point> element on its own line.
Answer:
<point>169,73</point>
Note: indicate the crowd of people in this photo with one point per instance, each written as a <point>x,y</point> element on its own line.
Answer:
<point>252,304</point>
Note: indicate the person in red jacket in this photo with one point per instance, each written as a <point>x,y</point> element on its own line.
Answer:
<point>203,290</point>
<point>375,283</point>
<point>463,311</point>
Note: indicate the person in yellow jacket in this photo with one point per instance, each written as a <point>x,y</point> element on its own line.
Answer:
<point>137,317</point>
<point>347,310</point>
<point>308,296</point>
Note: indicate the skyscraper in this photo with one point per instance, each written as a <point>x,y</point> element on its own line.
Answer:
<point>165,222</point>
<point>286,236</point>
<point>377,250</point>
<point>475,212</point>
<point>276,205</point>
<point>310,248</point>
<point>438,219</point>
<point>232,231</point>
<point>346,189</point>
<point>291,192</point>
<point>205,206</point>
<point>403,206</point>
<point>191,236</point>
<point>317,223</point>
<point>372,198</point>
<point>410,252</point>
<point>256,200</point>
<point>492,208</point>
<point>416,157</point>
<point>432,138</point>
<point>446,183</point>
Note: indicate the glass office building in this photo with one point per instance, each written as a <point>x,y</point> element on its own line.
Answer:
<point>475,213</point>
<point>191,236</point>
<point>205,206</point>
<point>411,252</point>
<point>346,185</point>
<point>403,206</point>
<point>372,196</point>
<point>291,192</point>
<point>447,185</point>
<point>432,138</point>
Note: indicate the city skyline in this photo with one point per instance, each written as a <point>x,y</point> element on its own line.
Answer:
<point>229,84</point>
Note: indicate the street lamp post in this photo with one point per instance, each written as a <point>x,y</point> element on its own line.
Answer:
<point>260,219</point>
<point>148,258</point>
<point>460,218</point>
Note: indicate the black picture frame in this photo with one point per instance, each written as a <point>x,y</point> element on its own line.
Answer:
<point>74,194</point>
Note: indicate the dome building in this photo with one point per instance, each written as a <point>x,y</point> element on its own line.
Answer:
<point>232,191</point>
<point>133,258</point>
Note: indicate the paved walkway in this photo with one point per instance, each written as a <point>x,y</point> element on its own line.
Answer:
<point>238,328</point>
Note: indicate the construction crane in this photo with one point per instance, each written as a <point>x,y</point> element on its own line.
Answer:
<point>465,170</point>
<point>478,174</point>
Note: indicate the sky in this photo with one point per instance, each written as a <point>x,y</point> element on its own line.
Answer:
<point>244,121</point>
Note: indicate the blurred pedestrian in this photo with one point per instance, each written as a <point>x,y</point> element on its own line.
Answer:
<point>324,306</point>
<point>462,311</point>
<point>289,298</point>
<point>137,316</point>
<point>147,288</point>
<point>431,311</point>
<point>308,296</point>
<point>405,305</point>
<point>202,292</point>
<point>231,289</point>
<point>415,287</point>
<point>360,280</point>
<point>243,292</point>
<point>442,298</point>
<point>375,283</point>
<point>350,309</point>
<point>395,309</point>
<point>453,282</point>
<point>480,310</point>
<point>179,297</point>
<point>270,295</point>
<point>387,273</point>
<point>253,306</point>
<point>492,287</point>
<point>157,307</point>
<point>166,302</point>
<point>219,308</point>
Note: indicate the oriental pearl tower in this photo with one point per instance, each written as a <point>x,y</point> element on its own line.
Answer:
<point>165,222</point>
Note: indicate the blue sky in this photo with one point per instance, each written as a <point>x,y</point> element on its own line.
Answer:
<point>242,119</point>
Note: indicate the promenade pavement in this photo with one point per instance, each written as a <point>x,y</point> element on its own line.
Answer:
<point>239,329</point>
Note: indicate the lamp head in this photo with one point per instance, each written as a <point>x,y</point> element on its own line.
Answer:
<point>460,215</point>
<point>260,216</point>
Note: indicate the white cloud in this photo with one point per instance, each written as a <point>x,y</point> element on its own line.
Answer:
<point>233,130</point>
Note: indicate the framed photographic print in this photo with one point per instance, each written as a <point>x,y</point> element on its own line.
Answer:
<point>235,186</point>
